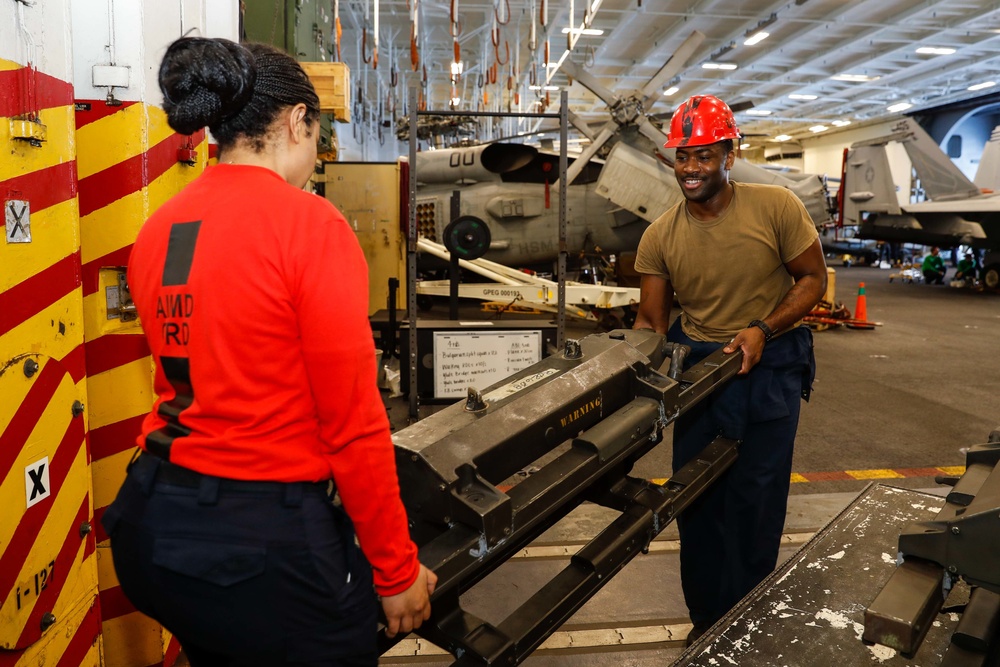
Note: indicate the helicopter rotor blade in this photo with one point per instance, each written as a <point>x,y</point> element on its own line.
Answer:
<point>581,160</point>
<point>656,135</point>
<point>581,125</point>
<point>590,82</point>
<point>672,66</point>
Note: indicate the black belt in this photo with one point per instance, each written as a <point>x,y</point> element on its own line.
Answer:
<point>175,475</point>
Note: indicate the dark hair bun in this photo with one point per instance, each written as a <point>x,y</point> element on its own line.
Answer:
<point>205,81</point>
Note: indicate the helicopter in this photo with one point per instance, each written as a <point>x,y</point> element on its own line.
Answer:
<point>507,192</point>
<point>510,190</point>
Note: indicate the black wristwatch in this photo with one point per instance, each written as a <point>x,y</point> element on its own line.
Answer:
<point>760,324</point>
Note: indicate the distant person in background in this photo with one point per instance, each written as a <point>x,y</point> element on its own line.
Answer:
<point>966,270</point>
<point>933,267</point>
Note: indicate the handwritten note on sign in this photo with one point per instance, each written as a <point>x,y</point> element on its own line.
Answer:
<point>464,359</point>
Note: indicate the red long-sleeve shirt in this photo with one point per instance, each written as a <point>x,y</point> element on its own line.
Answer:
<point>254,298</point>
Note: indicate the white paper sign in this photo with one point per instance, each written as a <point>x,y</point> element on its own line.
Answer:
<point>464,359</point>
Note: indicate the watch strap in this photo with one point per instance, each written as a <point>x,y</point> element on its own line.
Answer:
<point>760,324</point>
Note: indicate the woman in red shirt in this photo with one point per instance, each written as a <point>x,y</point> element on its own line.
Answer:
<point>253,296</point>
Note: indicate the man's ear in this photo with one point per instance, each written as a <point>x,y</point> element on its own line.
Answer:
<point>730,159</point>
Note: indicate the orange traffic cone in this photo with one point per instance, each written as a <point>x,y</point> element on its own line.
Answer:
<point>861,309</point>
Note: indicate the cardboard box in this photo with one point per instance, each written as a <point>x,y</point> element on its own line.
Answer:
<point>333,85</point>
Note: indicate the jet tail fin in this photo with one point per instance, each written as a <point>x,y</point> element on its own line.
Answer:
<point>867,183</point>
<point>939,176</point>
<point>988,173</point>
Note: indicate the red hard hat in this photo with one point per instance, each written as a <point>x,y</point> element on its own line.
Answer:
<point>700,121</point>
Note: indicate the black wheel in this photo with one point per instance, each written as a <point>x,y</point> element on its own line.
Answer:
<point>991,276</point>
<point>468,237</point>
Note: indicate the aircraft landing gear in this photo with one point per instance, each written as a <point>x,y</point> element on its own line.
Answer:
<point>991,276</point>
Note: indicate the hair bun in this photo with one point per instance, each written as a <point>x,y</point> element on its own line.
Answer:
<point>205,81</point>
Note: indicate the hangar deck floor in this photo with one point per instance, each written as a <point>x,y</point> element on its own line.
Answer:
<point>892,405</point>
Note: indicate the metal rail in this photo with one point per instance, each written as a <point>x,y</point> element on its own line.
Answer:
<point>465,527</point>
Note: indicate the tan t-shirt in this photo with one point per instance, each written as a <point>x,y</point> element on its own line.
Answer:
<point>728,271</point>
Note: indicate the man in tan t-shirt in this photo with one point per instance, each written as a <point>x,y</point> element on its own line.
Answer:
<point>746,264</point>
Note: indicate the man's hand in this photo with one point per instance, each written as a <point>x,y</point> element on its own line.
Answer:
<point>404,612</point>
<point>751,341</point>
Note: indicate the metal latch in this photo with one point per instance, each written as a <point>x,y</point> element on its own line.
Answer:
<point>27,129</point>
<point>119,299</point>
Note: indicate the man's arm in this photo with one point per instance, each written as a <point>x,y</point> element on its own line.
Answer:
<point>809,272</point>
<point>656,296</point>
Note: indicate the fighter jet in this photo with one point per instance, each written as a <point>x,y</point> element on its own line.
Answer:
<point>987,176</point>
<point>957,211</point>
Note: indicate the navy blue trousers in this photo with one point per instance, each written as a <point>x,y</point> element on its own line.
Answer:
<point>243,573</point>
<point>730,535</point>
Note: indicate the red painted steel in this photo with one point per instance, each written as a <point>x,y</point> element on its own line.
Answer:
<point>131,175</point>
<point>27,90</point>
<point>98,110</point>
<point>29,297</point>
<point>43,187</point>
<point>114,350</point>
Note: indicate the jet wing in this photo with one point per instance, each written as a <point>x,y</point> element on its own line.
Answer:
<point>985,204</point>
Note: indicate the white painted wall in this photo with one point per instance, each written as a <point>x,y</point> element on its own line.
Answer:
<point>38,34</point>
<point>975,132</point>
<point>359,144</point>
<point>107,33</point>
<point>135,34</point>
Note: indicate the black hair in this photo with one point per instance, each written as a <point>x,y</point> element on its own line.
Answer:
<point>727,146</point>
<point>236,90</point>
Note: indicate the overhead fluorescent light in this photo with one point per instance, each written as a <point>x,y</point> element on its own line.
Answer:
<point>800,96</point>
<point>743,147</point>
<point>583,31</point>
<point>901,106</point>
<point>758,112</point>
<point>670,91</point>
<point>756,34</point>
<point>543,87</point>
<point>818,128</point>
<point>854,78</point>
<point>841,123</point>
<point>936,50</point>
<point>981,86</point>
<point>726,66</point>
<point>783,137</point>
